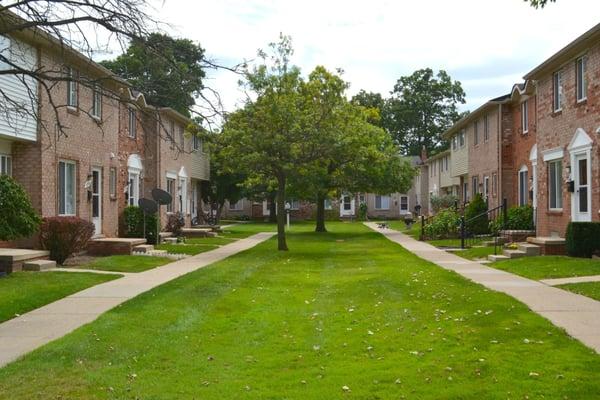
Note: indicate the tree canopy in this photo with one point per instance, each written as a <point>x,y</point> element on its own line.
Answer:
<point>539,3</point>
<point>173,79</point>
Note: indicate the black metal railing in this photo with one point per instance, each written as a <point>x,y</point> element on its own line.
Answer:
<point>484,228</point>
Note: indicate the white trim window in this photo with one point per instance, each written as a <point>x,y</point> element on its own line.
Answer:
<point>382,202</point>
<point>465,191</point>
<point>237,206</point>
<point>486,128</point>
<point>183,195</point>
<point>328,204</point>
<point>196,143</point>
<point>486,186</point>
<point>557,91</point>
<point>67,181</point>
<point>294,204</point>
<point>404,204</point>
<point>525,116</point>
<point>475,133</point>
<point>171,191</point>
<point>555,185</point>
<point>133,187</point>
<point>523,186</point>
<point>97,102</point>
<point>72,88</point>
<point>461,138</point>
<point>581,78</point>
<point>5,164</point>
<point>112,182</point>
<point>132,123</point>
<point>454,143</point>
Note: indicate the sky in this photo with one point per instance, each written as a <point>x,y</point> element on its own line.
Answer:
<point>488,45</point>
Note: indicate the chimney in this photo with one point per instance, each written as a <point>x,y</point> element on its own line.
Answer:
<point>423,154</point>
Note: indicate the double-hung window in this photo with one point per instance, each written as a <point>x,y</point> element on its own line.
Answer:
<point>382,202</point>
<point>403,204</point>
<point>475,187</point>
<point>294,204</point>
<point>476,133</point>
<point>580,71</point>
<point>66,187</point>
<point>197,145</point>
<point>97,102</point>
<point>557,96</point>
<point>461,138</point>
<point>454,143</point>
<point>525,116</point>
<point>72,88</point>
<point>132,123</point>
<point>5,164</point>
<point>171,191</point>
<point>486,186</point>
<point>523,186</point>
<point>112,184</point>
<point>555,184</point>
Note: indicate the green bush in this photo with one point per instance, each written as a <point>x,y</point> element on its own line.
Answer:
<point>583,239</point>
<point>446,224</point>
<point>475,217</point>
<point>133,218</point>
<point>18,219</point>
<point>362,211</point>
<point>65,236</point>
<point>441,202</point>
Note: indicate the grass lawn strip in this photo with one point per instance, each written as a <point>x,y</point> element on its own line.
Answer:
<point>346,308</point>
<point>588,289</point>
<point>549,267</point>
<point>478,253</point>
<point>125,263</point>
<point>21,292</point>
<point>185,248</point>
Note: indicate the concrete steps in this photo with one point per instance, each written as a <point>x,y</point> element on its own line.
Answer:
<point>143,248</point>
<point>497,257</point>
<point>530,249</point>
<point>39,265</point>
<point>512,254</point>
<point>522,250</point>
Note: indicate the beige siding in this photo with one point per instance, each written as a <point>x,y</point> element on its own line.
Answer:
<point>459,159</point>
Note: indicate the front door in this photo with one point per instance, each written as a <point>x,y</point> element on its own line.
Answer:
<point>347,206</point>
<point>97,200</point>
<point>582,199</point>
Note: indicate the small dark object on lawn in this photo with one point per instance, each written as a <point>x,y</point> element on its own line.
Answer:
<point>383,225</point>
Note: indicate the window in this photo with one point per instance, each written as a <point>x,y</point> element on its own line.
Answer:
<point>525,116</point>
<point>183,195</point>
<point>72,88</point>
<point>486,128</point>
<point>476,133</point>
<point>403,204</point>
<point>133,188</point>
<point>465,192</point>
<point>237,206</point>
<point>557,91</point>
<point>461,138</point>
<point>580,70</point>
<point>475,187</point>
<point>112,182</point>
<point>523,186</point>
<point>494,184</point>
<point>171,191</point>
<point>486,186</point>
<point>294,204</point>
<point>181,137</point>
<point>454,143</point>
<point>196,143</point>
<point>97,102</point>
<point>382,202</point>
<point>132,123</point>
<point>328,205</point>
<point>446,162</point>
<point>555,184</point>
<point>66,188</point>
<point>5,164</point>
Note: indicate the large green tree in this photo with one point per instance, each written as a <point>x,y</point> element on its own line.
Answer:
<point>168,71</point>
<point>266,138</point>
<point>539,3</point>
<point>421,107</point>
<point>371,101</point>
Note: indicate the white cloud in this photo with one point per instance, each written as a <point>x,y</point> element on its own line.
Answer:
<point>378,41</point>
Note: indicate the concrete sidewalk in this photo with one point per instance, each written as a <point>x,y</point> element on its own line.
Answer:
<point>27,332</point>
<point>578,315</point>
<point>576,279</point>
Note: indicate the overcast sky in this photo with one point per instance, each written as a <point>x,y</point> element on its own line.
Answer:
<point>486,44</point>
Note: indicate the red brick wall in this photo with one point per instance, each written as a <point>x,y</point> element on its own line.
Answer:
<point>557,129</point>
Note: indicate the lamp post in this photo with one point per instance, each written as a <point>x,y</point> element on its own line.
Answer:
<point>288,208</point>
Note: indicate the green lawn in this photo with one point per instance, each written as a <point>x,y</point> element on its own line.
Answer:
<point>21,292</point>
<point>342,309</point>
<point>241,231</point>
<point>126,263</point>
<point>547,267</point>
<point>219,241</point>
<point>589,289</point>
<point>399,225</point>
<point>181,248</point>
<point>478,253</point>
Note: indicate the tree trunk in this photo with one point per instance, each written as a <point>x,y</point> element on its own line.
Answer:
<point>320,214</point>
<point>281,215</point>
<point>272,207</point>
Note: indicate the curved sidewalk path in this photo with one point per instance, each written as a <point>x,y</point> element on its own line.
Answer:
<point>576,314</point>
<point>27,332</point>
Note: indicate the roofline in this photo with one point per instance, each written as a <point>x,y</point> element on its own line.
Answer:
<point>438,155</point>
<point>172,112</point>
<point>569,50</point>
<point>475,114</point>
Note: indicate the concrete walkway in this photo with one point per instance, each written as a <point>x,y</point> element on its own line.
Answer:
<point>27,332</point>
<point>576,279</point>
<point>91,271</point>
<point>578,315</point>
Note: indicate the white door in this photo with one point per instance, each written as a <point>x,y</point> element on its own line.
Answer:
<point>97,200</point>
<point>582,195</point>
<point>347,206</point>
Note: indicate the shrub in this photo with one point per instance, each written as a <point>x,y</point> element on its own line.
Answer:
<point>65,236</point>
<point>583,239</point>
<point>174,223</point>
<point>445,224</point>
<point>520,218</point>
<point>18,219</point>
<point>362,211</point>
<point>475,217</point>
<point>133,218</point>
<point>441,202</point>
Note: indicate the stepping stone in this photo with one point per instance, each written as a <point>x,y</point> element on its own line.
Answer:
<point>39,265</point>
<point>143,248</point>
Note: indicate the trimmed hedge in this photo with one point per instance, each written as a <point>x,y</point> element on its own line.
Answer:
<point>133,218</point>
<point>583,239</point>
